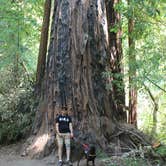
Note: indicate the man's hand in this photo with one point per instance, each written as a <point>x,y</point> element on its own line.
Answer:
<point>71,130</point>
<point>59,134</point>
<point>71,135</point>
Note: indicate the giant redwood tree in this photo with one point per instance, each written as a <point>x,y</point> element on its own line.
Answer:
<point>78,54</point>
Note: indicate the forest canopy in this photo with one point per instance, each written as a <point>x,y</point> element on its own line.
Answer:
<point>143,60</point>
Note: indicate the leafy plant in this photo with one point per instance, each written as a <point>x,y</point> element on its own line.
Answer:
<point>17,106</point>
<point>161,150</point>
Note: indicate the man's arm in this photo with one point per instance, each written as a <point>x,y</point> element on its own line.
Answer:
<point>71,129</point>
<point>57,128</point>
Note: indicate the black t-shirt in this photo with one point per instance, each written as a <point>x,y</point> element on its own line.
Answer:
<point>64,121</point>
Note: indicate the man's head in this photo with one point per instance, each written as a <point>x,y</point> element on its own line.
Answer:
<point>64,110</point>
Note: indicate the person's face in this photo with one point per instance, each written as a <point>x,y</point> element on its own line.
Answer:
<point>64,112</point>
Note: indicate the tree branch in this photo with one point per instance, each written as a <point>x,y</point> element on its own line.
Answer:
<point>155,84</point>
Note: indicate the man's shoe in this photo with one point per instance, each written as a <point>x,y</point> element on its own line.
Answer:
<point>60,163</point>
<point>69,163</point>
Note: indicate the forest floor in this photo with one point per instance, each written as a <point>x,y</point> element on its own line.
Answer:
<point>11,156</point>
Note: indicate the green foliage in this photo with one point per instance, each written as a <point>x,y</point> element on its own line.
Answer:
<point>101,154</point>
<point>161,150</point>
<point>14,126</point>
<point>119,161</point>
<point>20,30</point>
<point>150,39</point>
<point>17,107</point>
<point>135,162</point>
<point>117,81</point>
<point>20,24</point>
<point>149,35</point>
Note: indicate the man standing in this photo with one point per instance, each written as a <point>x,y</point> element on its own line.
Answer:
<point>64,133</point>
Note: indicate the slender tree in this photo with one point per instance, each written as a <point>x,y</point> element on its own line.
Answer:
<point>155,110</point>
<point>43,45</point>
<point>132,117</point>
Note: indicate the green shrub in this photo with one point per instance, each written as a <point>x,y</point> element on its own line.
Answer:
<point>15,123</point>
<point>161,150</point>
<point>17,109</point>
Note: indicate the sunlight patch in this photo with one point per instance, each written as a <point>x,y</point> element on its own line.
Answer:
<point>39,143</point>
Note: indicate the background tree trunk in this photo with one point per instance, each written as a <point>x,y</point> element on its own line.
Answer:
<point>115,52</point>
<point>43,45</point>
<point>155,110</point>
<point>132,117</point>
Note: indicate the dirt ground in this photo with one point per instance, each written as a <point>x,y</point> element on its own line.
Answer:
<point>11,156</point>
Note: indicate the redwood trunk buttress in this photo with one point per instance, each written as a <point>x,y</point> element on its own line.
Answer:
<point>77,57</point>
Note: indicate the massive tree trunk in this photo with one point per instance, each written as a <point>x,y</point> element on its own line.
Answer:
<point>132,117</point>
<point>77,58</point>
<point>115,53</point>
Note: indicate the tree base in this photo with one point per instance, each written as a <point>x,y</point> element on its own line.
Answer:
<point>39,146</point>
<point>125,138</point>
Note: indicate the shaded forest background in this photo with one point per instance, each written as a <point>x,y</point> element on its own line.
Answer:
<point>144,61</point>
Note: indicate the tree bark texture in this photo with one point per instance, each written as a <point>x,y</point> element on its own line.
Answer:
<point>78,54</point>
<point>77,58</point>
<point>115,53</point>
<point>132,117</point>
<point>43,45</point>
